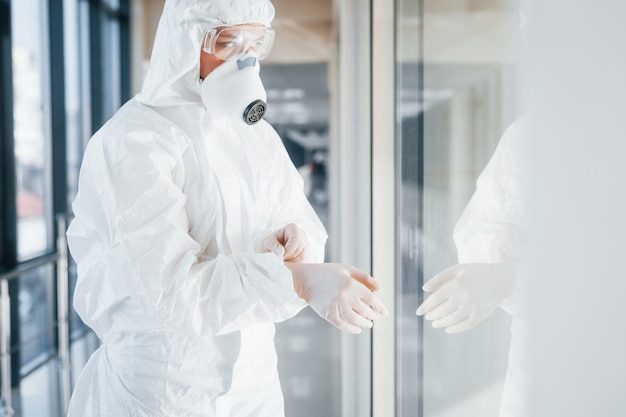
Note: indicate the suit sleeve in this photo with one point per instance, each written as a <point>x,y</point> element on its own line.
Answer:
<point>131,194</point>
<point>491,226</point>
<point>489,229</point>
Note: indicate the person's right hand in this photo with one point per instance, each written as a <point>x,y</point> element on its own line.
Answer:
<point>340,294</point>
<point>289,242</point>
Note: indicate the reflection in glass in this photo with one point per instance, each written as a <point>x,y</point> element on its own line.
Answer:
<point>32,144</point>
<point>456,94</point>
<point>469,100</point>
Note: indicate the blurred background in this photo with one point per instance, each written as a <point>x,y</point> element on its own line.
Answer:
<point>389,109</point>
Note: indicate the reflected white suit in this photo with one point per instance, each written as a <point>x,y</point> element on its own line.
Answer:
<point>491,229</point>
<point>172,208</point>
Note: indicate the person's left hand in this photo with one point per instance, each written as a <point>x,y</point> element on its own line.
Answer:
<point>290,242</point>
<point>465,294</point>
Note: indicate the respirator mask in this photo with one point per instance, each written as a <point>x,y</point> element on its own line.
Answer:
<point>234,89</point>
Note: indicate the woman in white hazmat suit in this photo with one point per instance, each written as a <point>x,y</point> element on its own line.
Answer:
<point>192,234</point>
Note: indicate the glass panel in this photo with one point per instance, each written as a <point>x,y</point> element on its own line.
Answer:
<point>85,70</point>
<point>111,75</point>
<point>74,105</point>
<point>36,316</point>
<point>76,116</point>
<point>469,99</point>
<point>40,392</point>
<point>77,327</point>
<point>409,199</point>
<point>32,143</point>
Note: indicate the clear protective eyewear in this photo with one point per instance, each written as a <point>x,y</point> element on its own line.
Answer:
<point>228,41</point>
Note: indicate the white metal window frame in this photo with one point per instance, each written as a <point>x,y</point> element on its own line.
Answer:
<point>383,202</point>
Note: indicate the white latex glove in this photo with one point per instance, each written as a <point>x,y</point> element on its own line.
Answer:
<point>290,243</point>
<point>465,294</point>
<point>339,293</point>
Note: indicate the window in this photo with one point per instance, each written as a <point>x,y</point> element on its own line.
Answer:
<point>31,127</point>
<point>44,129</point>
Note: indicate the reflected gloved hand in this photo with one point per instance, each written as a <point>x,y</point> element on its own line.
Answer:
<point>339,293</point>
<point>289,242</point>
<point>465,294</point>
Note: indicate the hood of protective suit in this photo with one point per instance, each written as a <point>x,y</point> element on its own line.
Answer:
<point>173,76</point>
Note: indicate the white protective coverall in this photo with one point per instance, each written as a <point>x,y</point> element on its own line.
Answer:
<point>172,207</point>
<point>490,230</point>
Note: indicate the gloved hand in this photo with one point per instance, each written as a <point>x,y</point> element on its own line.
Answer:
<point>290,242</point>
<point>339,293</point>
<point>466,294</point>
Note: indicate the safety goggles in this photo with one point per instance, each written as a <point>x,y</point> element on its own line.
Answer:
<point>228,41</point>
